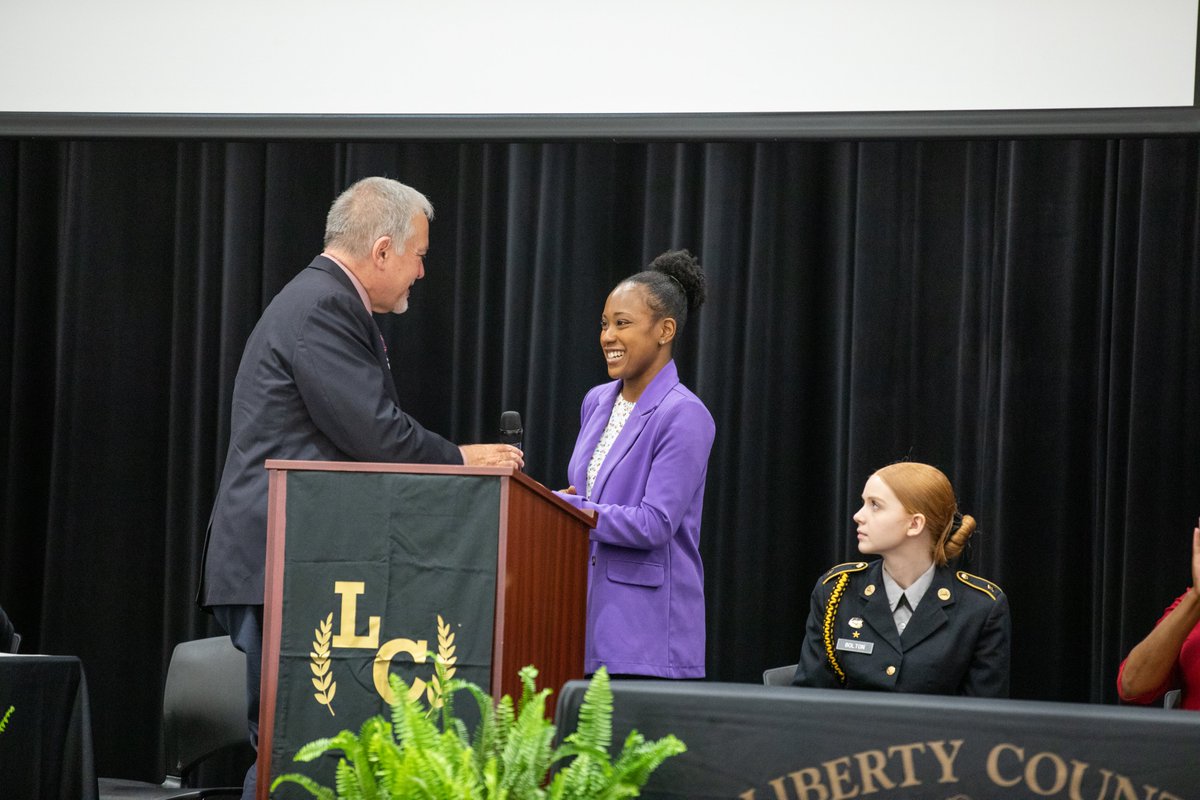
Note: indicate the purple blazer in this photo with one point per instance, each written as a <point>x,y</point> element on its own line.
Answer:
<point>645,612</point>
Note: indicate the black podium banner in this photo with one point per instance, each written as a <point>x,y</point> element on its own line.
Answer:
<point>782,743</point>
<point>382,573</point>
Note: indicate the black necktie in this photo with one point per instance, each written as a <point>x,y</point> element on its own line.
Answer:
<point>902,614</point>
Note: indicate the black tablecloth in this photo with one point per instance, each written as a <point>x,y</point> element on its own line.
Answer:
<point>46,746</point>
<point>783,743</point>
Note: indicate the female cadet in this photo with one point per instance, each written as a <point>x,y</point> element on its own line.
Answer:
<point>640,462</point>
<point>907,622</point>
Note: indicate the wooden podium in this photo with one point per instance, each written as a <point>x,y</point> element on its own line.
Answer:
<point>375,569</point>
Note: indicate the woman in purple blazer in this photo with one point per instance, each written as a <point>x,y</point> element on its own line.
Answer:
<point>640,462</point>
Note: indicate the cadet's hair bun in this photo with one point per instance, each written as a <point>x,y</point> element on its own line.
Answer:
<point>956,538</point>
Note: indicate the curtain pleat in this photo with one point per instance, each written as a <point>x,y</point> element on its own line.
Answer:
<point>1025,314</point>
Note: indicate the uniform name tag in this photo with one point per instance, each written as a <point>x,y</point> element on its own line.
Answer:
<point>855,646</point>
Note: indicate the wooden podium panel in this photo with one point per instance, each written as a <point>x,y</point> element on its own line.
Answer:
<point>375,569</point>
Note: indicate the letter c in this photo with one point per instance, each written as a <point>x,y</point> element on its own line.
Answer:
<point>417,650</point>
<point>993,764</point>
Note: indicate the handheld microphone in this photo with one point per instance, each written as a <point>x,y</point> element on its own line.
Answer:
<point>511,431</point>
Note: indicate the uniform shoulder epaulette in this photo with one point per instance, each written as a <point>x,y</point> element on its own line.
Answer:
<point>842,569</point>
<point>979,584</point>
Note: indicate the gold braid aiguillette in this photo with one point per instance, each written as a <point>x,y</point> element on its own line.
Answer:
<point>835,598</point>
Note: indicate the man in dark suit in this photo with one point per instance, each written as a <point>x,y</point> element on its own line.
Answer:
<point>314,383</point>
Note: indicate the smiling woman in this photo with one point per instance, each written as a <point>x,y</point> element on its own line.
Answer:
<point>907,622</point>
<point>642,458</point>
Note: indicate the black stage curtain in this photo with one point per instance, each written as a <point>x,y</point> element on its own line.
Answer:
<point>1024,314</point>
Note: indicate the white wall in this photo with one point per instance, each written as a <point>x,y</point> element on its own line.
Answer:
<point>615,56</point>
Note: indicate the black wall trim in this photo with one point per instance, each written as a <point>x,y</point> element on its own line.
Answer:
<point>1196,74</point>
<point>1122,122</point>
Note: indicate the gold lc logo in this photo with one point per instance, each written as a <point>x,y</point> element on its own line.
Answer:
<point>325,639</point>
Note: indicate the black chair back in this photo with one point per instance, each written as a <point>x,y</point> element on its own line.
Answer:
<point>204,702</point>
<point>204,713</point>
<point>779,676</point>
<point>10,640</point>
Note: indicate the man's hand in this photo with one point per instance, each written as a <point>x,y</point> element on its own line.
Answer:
<point>492,455</point>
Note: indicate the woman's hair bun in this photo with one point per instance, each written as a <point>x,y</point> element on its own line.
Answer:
<point>686,270</point>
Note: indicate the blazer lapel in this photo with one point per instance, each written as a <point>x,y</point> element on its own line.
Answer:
<point>666,379</point>
<point>875,609</point>
<point>625,439</point>
<point>930,614</point>
<point>589,435</point>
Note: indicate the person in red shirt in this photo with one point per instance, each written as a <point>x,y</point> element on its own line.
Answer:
<point>1169,657</point>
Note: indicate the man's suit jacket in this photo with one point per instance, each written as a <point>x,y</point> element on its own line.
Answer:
<point>956,643</point>
<point>313,384</point>
<point>646,583</point>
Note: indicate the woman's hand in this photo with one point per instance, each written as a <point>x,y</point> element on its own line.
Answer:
<point>1196,561</point>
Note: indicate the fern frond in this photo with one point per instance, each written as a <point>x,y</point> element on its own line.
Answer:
<point>363,783</point>
<point>505,720</point>
<point>490,778</point>
<point>312,787</point>
<point>344,742</point>
<point>527,754</point>
<point>483,742</point>
<point>595,713</point>
<point>528,675</point>
<point>391,769</point>
<point>459,729</point>
<point>346,781</point>
<point>590,771</point>
<point>639,758</point>
<point>411,726</point>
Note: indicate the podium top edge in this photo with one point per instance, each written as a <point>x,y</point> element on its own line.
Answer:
<point>285,465</point>
<point>369,466</point>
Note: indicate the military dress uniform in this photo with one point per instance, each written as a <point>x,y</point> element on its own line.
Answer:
<point>956,643</point>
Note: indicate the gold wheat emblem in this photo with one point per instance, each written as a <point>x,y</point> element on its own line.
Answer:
<point>445,656</point>
<point>323,680</point>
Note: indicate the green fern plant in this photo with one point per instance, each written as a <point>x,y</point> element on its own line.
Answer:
<point>4,720</point>
<point>426,752</point>
<point>591,774</point>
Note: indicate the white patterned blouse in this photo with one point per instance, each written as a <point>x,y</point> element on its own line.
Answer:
<point>616,421</point>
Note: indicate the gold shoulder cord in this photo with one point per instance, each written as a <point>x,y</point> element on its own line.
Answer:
<point>835,598</point>
<point>979,584</point>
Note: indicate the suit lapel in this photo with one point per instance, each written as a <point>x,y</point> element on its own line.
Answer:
<point>374,335</point>
<point>326,264</point>
<point>666,379</point>
<point>930,614</point>
<point>875,609</point>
